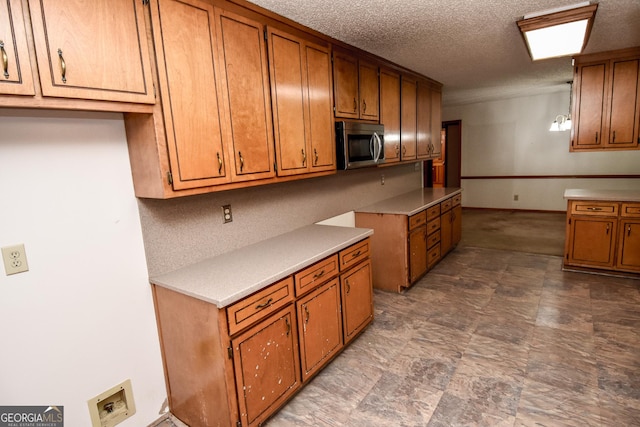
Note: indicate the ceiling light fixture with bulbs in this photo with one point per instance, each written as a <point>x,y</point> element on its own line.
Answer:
<point>562,31</point>
<point>562,122</point>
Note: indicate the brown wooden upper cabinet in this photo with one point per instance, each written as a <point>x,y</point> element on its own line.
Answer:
<point>390,113</point>
<point>302,104</point>
<point>92,50</point>
<point>356,87</point>
<point>16,78</point>
<point>606,94</point>
<point>408,111</point>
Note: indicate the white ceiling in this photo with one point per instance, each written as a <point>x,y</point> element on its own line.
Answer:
<point>473,47</point>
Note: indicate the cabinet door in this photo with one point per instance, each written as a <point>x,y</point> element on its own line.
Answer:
<point>185,50</point>
<point>623,116</point>
<point>390,114</point>
<point>320,327</point>
<point>408,122</point>
<point>92,49</point>
<point>369,91</point>
<point>322,153</point>
<point>591,241</point>
<point>446,232</point>
<point>436,124</point>
<point>629,245</point>
<point>456,225</point>
<point>16,78</point>
<point>417,253</point>
<point>266,365</point>
<point>289,99</point>
<point>357,299</point>
<point>423,121</point>
<point>345,81</point>
<point>589,106</point>
<point>245,80</point>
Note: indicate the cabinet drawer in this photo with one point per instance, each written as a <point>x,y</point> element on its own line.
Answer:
<point>594,208</point>
<point>417,220</point>
<point>456,200</point>
<point>433,238</point>
<point>433,225</point>
<point>354,254</point>
<point>433,212</point>
<point>259,305</point>
<point>631,210</point>
<point>446,205</point>
<point>433,255</point>
<point>316,274</point>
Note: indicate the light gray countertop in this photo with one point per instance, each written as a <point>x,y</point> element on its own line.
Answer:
<point>411,203</point>
<point>227,278</point>
<point>605,195</point>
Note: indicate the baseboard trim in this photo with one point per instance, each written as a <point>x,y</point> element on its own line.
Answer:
<point>510,210</point>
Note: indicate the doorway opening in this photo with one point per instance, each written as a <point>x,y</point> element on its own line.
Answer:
<point>446,170</point>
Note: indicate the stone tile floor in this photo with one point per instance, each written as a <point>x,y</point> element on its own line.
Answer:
<point>487,338</point>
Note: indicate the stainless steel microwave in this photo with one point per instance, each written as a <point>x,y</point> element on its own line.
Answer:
<point>359,145</point>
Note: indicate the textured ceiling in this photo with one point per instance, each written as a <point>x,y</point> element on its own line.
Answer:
<point>473,47</point>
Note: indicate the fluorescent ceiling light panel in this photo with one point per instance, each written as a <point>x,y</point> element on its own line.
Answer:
<point>559,40</point>
<point>559,32</point>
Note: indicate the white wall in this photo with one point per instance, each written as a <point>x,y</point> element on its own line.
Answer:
<point>510,137</point>
<point>81,320</point>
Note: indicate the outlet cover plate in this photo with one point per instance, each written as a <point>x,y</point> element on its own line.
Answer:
<point>15,259</point>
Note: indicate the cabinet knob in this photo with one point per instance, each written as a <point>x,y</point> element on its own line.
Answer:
<point>5,60</point>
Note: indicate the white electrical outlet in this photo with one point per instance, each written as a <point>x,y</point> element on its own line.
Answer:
<point>227,216</point>
<point>15,259</point>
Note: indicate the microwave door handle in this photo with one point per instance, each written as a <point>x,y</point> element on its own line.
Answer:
<point>379,151</point>
<point>372,149</point>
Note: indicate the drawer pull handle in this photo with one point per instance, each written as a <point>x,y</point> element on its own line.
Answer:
<point>219,164</point>
<point>614,136</point>
<point>364,106</point>
<point>267,303</point>
<point>304,157</point>
<point>596,137</point>
<point>241,160</point>
<point>63,66</point>
<point>347,286</point>
<point>315,157</point>
<point>306,312</point>
<point>5,60</point>
<point>318,275</point>
<point>355,105</point>
<point>286,322</point>
<point>594,209</point>
<point>355,254</point>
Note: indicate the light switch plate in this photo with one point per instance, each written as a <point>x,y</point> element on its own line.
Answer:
<point>15,259</point>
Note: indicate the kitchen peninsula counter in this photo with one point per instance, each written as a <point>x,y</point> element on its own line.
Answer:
<point>412,233</point>
<point>411,203</point>
<point>227,278</point>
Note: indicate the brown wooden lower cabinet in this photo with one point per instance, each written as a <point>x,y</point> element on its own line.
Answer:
<point>237,365</point>
<point>406,247</point>
<point>603,236</point>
